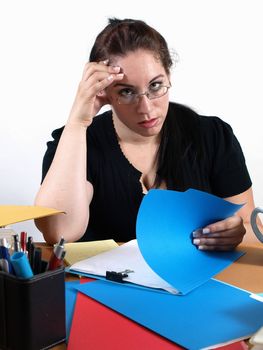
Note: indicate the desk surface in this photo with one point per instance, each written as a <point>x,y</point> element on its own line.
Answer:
<point>245,273</point>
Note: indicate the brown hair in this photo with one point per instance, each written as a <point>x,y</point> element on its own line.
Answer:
<point>128,35</point>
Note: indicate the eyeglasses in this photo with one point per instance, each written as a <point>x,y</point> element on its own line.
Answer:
<point>128,97</point>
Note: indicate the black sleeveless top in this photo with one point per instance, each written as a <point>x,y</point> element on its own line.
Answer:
<point>117,190</point>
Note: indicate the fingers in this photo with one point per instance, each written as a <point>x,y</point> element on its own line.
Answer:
<point>95,65</point>
<point>217,243</point>
<point>90,95</point>
<point>97,77</point>
<point>226,224</point>
<point>222,235</point>
<point>94,68</point>
<point>217,248</point>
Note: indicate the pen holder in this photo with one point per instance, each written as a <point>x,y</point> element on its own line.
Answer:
<point>32,311</point>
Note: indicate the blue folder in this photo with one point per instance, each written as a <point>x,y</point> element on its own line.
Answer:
<point>165,223</point>
<point>211,314</point>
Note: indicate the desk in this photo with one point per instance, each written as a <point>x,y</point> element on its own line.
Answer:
<point>244,273</point>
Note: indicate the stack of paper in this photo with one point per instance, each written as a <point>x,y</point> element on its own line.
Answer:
<point>257,340</point>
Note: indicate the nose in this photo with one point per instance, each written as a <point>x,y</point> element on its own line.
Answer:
<point>144,105</point>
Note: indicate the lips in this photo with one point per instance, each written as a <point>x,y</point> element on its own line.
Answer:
<point>149,123</point>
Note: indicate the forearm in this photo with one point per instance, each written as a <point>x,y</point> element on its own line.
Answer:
<point>65,188</point>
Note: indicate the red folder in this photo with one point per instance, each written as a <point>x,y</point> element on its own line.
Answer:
<point>96,327</point>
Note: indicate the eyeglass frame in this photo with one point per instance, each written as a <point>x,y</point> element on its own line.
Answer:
<point>146,93</point>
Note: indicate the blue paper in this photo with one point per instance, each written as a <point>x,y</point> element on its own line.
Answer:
<point>71,295</point>
<point>164,227</point>
<point>211,314</point>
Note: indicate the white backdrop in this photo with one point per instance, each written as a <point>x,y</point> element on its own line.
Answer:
<point>45,44</point>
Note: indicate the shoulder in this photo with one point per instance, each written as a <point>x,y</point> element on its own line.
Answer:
<point>213,124</point>
<point>206,122</point>
<point>180,110</point>
<point>212,128</point>
<point>217,133</point>
<point>195,126</point>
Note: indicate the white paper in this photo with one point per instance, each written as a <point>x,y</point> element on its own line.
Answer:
<point>124,257</point>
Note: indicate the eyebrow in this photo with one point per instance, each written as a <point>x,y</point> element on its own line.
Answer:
<point>132,86</point>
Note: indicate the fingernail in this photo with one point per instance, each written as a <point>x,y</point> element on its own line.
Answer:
<point>110,77</point>
<point>196,233</point>
<point>116,68</point>
<point>201,247</point>
<point>206,230</point>
<point>196,241</point>
<point>106,61</point>
<point>120,75</point>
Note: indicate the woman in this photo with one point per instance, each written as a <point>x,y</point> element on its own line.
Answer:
<point>98,168</point>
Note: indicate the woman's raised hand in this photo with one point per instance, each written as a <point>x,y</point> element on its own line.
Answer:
<point>91,94</point>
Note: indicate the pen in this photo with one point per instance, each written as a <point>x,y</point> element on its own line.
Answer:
<point>30,247</point>
<point>4,256</point>
<point>56,259</point>
<point>29,242</point>
<point>16,243</point>
<point>23,236</point>
<point>37,261</point>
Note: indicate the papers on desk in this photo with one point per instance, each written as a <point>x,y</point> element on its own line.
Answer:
<point>208,313</point>
<point>82,250</point>
<point>126,256</point>
<point>166,258</point>
<point>257,340</point>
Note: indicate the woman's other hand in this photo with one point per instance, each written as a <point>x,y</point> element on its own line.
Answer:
<point>222,235</point>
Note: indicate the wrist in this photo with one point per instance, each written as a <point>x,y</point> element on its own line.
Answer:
<point>79,123</point>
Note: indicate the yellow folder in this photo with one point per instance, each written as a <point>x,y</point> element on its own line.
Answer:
<point>11,214</point>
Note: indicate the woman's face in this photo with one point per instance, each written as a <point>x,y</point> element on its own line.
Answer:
<point>142,73</point>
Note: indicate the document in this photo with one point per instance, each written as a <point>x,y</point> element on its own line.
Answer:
<point>163,256</point>
<point>122,258</point>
